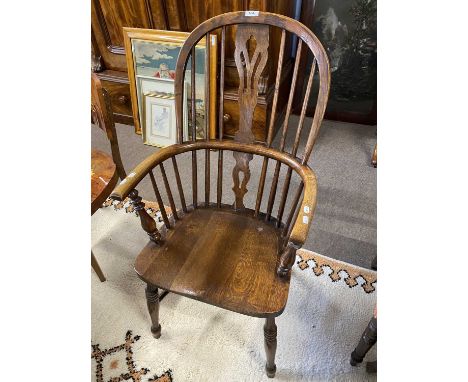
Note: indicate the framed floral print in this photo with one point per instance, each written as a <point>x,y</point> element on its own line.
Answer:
<point>158,113</point>
<point>151,59</point>
<point>159,117</point>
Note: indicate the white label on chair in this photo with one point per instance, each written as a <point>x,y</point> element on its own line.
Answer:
<point>305,219</point>
<point>306,209</point>
<point>251,13</point>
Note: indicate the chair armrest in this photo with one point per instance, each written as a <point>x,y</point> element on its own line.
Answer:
<point>139,172</point>
<point>306,210</point>
<point>301,225</point>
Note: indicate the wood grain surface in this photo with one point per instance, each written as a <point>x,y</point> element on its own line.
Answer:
<point>231,265</point>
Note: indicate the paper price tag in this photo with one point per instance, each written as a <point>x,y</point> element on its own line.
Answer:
<point>251,13</point>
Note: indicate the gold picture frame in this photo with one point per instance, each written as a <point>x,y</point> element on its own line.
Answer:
<point>135,37</point>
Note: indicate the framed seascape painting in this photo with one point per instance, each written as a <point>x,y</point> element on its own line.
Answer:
<point>151,59</point>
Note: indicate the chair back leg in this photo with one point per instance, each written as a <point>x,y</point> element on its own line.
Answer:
<point>368,339</point>
<point>152,301</point>
<point>270,331</point>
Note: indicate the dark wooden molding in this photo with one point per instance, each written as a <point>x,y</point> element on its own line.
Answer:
<point>149,12</point>
<point>165,14</point>
<point>114,76</point>
<point>102,23</point>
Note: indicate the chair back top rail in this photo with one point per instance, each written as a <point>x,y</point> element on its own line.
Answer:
<point>262,18</point>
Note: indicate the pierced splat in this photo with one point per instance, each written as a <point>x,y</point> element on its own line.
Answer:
<point>250,67</point>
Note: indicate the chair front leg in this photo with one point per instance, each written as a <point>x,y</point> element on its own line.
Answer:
<point>270,331</point>
<point>152,300</point>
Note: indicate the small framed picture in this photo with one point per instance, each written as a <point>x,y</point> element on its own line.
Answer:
<point>159,114</point>
<point>163,89</point>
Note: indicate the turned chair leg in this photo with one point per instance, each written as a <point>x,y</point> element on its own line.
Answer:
<point>97,268</point>
<point>152,300</point>
<point>270,331</point>
<point>368,339</point>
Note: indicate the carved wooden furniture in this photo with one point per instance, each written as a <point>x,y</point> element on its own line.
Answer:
<point>105,169</point>
<point>108,53</point>
<point>231,255</point>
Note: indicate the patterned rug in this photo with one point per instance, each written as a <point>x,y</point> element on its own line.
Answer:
<point>330,303</point>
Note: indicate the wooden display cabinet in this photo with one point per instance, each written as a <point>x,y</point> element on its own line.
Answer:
<point>108,54</point>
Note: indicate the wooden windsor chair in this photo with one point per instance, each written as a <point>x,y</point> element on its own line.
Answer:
<point>105,169</point>
<point>231,256</point>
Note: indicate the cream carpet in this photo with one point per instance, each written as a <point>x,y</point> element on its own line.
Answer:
<point>330,303</point>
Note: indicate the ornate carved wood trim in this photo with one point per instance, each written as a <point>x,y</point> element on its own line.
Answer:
<point>102,22</point>
<point>145,17</point>
<point>148,11</point>
<point>164,12</point>
<point>250,68</point>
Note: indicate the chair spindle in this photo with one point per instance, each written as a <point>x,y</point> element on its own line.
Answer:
<point>261,184</point>
<point>194,132</point>
<point>291,96</point>
<point>169,192</point>
<point>221,85</point>
<point>221,118</point>
<point>304,108</point>
<point>318,115</point>
<point>293,209</point>
<point>274,184</point>
<point>179,184</point>
<point>194,179</point>
<point>284,196</point>
<point>207,119</point>
<point>207,177</point>
<point>296,144</point>
<point>159,199</point>
<point>277,84</point>
<point>193,95</point>
<point>207,87</point>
